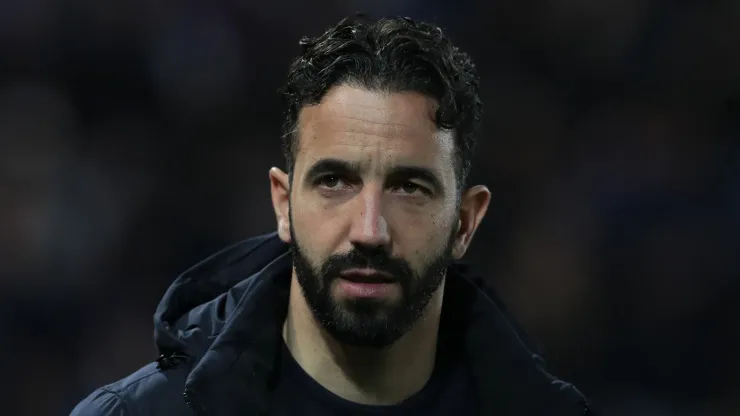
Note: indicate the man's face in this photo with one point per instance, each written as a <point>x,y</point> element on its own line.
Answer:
<point>373,212</point>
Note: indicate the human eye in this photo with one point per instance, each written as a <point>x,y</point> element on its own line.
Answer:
<point>409,188</point>
<point>331,182</point>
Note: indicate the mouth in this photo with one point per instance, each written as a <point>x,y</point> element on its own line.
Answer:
<point>367,275</point>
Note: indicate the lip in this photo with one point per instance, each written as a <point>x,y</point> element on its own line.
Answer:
<point>367,290</point>
<point>367,275</point>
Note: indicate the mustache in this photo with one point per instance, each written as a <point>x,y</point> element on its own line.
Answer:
<point>356,259</point>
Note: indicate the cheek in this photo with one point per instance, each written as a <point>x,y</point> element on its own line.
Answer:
<point>316,229</point>
<point>421,237</point>
<point>422,223</point>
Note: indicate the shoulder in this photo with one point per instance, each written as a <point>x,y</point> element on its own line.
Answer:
<point>148,391</point>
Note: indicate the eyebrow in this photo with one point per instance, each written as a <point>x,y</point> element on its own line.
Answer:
<point>353,169</point>
<point>324,166</point>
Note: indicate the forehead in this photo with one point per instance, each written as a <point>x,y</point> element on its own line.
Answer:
<point>373,127</point>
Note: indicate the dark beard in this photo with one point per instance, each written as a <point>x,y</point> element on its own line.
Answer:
<point>368,322</point>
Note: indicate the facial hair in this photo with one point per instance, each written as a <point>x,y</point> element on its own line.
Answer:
<point>361,321</point>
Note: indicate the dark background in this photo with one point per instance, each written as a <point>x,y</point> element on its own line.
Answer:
<point>136,137</point>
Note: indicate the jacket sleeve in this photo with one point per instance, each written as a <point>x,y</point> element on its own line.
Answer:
<point>101,403</point>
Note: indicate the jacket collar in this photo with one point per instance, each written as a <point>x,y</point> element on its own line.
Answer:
<point>236,374</point>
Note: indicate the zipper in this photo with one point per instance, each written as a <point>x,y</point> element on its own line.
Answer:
<point>169,360</point>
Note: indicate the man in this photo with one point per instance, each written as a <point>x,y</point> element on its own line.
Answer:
<point>354,306</point>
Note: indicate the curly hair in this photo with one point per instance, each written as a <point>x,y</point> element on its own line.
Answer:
<point>390,55</point>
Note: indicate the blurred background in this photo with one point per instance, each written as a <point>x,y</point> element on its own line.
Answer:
<point>136,137</point>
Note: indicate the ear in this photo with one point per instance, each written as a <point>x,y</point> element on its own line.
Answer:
<point>473,206</point>
<point>280,192</point>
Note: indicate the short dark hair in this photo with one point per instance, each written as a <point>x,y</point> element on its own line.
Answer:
<point>393,55</point>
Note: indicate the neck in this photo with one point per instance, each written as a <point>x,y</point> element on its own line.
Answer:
<point>363,375</point>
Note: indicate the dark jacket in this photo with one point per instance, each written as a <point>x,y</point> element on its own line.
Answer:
<point>218,329</point>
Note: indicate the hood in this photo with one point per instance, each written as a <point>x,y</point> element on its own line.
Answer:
<point>196,306</point>
<point>225,315</point>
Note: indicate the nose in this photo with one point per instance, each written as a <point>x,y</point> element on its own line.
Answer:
<point>369,227</point>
